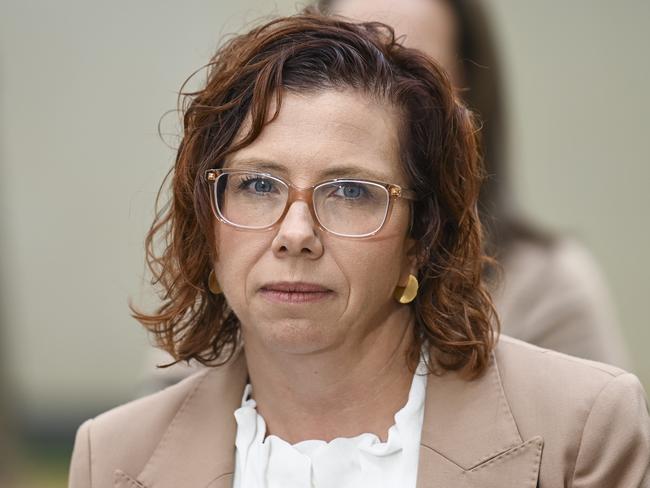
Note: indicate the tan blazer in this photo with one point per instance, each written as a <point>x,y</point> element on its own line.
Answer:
<point>536,418</point>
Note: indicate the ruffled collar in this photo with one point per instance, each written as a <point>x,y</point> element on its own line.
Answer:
<point>363,460</point>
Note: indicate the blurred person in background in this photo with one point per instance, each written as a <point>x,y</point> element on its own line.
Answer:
<point>551,292</point>
<point>323,254</point>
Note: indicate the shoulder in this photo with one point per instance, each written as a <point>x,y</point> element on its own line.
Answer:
<point>532,374</point>
<point>577,406</point>
<point>152,412</point>
<point>127,435</point>
<point>190,423</point>
<point>555,296</point>
<point>572,263</point>
<point>519,361</point>
<point>552,269</point>
<point>540,380</point>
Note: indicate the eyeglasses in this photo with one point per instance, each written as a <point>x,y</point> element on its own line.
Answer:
<point>345,207</point>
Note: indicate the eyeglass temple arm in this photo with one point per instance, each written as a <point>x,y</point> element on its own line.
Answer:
<point>399,192</point>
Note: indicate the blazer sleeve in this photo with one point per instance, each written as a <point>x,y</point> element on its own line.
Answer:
<point>79,476</point>
<point>615,446</point>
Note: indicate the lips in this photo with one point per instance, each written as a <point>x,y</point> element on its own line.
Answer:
<point>295,287</point>
<point>295,292</point>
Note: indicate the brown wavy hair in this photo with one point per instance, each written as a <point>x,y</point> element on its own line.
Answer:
<point>439,150</point>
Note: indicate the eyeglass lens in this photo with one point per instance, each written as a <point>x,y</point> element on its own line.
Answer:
<point>254,200</point>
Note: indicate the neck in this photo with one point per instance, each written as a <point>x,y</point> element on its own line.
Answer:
<point>342,392</point>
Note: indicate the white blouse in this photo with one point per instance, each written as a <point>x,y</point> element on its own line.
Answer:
<point>361,461</point>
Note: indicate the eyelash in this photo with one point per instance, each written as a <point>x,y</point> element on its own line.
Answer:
<point>248,179</point>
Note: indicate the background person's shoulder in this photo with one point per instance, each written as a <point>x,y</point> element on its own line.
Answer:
<point>556,296</point>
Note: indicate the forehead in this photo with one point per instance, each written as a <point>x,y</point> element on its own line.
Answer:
<point>327,134</point>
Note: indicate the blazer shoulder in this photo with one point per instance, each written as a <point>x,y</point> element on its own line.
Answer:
<point>157,407</point>
<point>126,436</point>
<point>516,356</point>
<point>551,384</point>
<point>577,406</point>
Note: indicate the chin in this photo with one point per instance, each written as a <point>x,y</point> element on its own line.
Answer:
<point>296,336</point>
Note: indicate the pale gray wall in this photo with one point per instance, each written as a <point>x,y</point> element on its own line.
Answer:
<point>82,85</point>
<point>579,78</point>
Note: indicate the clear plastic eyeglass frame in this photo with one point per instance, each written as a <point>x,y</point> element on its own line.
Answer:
<point>306,195</point>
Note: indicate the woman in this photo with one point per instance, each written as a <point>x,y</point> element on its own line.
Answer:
<point>552,292</point>
<point>324,257</point>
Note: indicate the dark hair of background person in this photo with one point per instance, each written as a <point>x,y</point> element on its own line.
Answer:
<point>483,92</point>
<point>439,154</point>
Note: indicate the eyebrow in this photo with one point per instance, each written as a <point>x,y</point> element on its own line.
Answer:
<point>338,171</point>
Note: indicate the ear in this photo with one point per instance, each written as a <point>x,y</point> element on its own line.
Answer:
<point>410,262</point>
<point>214,246</point>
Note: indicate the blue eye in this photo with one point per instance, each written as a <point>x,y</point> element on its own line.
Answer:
<point>260,185</point>
<point>263,186</point>
<point>351,191</point>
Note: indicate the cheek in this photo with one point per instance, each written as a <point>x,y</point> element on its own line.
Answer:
<point>372,269</point>
<point>234,261</point>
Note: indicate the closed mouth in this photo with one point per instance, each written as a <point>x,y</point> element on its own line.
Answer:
<point>295,293</point>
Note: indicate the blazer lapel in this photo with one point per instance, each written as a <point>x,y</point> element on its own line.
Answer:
<point>123,480</point>
<point>470,438</point>
<point>197,449</point>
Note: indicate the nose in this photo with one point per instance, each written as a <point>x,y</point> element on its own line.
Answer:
<point>298,235</point>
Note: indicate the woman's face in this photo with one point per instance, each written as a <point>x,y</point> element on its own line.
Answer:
<point>428,25</point>
<point>315,134</point>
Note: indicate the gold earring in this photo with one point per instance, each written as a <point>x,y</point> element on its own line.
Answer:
<point>213,284</point>
<point>406,294</point>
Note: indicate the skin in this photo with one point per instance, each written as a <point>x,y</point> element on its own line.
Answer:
<point>336,367</point>
<point>428,25</point>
